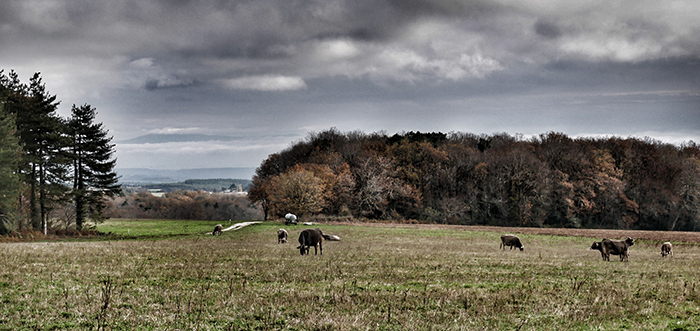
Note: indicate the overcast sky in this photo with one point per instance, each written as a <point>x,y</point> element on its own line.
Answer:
<point>198,84</point>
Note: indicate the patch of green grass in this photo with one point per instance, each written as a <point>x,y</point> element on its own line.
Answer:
<point>135,228</point>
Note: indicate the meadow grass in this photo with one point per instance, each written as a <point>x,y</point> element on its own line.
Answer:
<point>376,278</point>
<point>137,228</point>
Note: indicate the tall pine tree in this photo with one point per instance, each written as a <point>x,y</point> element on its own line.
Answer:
<point>93,165</point>
<point>10,154</point>
<point>45,143</point>
<point>44,163</point>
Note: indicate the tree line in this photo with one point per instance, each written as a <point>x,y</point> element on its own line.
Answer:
<point>49,163</point>
<point>551,180</point>
<point>180,204</point>
<point>210,185</point>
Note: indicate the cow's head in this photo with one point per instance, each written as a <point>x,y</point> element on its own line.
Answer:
<point>302,249</point>
<point>596,245</point>
<point>629,241</point>
<point>522,247</point>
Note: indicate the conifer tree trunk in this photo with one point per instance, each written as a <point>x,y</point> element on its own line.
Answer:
<point>33,207</point>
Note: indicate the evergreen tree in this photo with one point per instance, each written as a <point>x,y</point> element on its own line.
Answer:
<point>93,165</point>
<point>10,153</point>
<point>45,133</point>
<point>44,163</point>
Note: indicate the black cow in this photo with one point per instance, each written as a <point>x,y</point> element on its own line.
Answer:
<point>617,247</point>
<point>281,236</point>
<point>512,241</point>
<point>666,249</point>
<point>308,238</point>
<point>218,229</point>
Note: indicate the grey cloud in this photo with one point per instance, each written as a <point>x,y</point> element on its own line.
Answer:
<point>470,9</point>
<point>286,65</point>
<point>547,29</point>
<point>174,82</point>
<point>183,137</point>
<point>255,37</point>
<point>147,74</point>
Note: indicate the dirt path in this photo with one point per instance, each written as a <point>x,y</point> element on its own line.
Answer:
<point>658,236</point>
<point>238,226</point>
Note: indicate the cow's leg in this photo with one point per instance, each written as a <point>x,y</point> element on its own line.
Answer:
<point>320,247</point>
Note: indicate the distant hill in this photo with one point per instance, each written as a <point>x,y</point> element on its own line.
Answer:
<point>150,176</point>
<point>210,185</point>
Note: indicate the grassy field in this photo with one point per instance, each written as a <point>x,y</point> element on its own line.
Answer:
<point>376,278</point>
<point>130,228</point>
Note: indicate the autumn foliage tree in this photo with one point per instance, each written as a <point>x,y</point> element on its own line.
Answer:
<point>297,191</point>
<point>462,178</point>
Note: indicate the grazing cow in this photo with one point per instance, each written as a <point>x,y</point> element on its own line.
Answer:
<point>512,241</point>
<point>617,247</point>
<point>290,219</point>
<point>281,236</point>
<point>217,230</point>
<point>598,245</point>
<point>308,238</point>
<point>666,249</point>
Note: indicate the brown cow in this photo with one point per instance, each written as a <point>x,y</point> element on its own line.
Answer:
<point>281,236</point>
<point>666,249</point>
<point>512,241</point>
<point>308,238</point>
<point>617,247</point>
<point>217,230</point>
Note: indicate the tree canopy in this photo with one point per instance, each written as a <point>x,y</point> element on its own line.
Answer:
<point>551,180</point>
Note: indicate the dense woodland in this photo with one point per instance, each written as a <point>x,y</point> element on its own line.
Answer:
<point>460,178</point>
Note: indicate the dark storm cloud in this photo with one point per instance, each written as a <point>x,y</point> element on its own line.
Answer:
<point>275,69</point>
